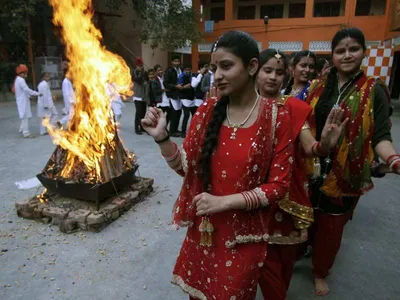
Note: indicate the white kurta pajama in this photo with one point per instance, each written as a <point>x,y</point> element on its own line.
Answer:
<point>45,106</point>
<point>66,85</point>
<point>22,94</point>
<point>69,97</point>
<point>116,102</point>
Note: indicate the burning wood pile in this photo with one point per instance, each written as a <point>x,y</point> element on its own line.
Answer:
<point>115,162</point>
<point>89,154</point>
<point>90,162</point>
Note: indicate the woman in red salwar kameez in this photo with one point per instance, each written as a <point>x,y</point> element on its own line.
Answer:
<point>236,163</point>
<point>294,213</point>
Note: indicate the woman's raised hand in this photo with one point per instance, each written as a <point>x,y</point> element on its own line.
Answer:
<point>333,128</point>
<point>213,93</point>
<point>155,123</point>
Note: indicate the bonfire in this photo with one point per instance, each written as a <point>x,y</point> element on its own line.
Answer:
<point>89,152</point>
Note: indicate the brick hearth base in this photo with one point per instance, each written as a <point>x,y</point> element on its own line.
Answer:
<point>72,214</point>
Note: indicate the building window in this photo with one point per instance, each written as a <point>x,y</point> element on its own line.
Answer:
<point>370,8</point>
<point>246,13</point>
<point>272,11</point>
<point>297,10</point>
<point>217,13</point>
<point>327,9</point>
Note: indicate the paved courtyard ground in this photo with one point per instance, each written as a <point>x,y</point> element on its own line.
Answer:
<point>133,257</point>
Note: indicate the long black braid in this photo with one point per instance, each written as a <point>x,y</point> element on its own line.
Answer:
<point>211,140</point>
<point>242,45</point>
<point>289,86</point>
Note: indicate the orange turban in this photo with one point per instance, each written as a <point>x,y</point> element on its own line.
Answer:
<point>21,69</point>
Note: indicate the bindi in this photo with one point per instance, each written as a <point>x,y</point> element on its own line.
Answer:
<point>347,41</point>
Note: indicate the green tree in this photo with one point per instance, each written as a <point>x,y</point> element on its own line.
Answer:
<point>14,15</point>
<point>167,24</point>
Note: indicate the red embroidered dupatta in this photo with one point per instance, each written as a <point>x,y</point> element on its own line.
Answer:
<point>255,227</point>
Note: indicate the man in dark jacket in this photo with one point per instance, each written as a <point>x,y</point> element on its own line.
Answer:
<point>164,103</point>
<point>139,82</point>
<point>208,79</point>
<point>154,88</point>
<point>196,83</point>
<point>172,90</point>
<point>187,97</point>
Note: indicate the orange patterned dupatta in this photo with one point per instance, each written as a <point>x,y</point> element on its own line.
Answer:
<point>258,165</point>
<point>350,175</point>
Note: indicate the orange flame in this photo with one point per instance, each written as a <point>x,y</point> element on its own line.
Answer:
<point>91,66</point>
<point>43,197</point>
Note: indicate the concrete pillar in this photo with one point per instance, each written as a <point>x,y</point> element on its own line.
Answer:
<point>258,9</point>
<point>350,10</point>
<point>309,9</point>
<point>286,10</point>
<point>195,47</point>
<point>228,10</point>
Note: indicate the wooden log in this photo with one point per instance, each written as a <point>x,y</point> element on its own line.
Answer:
<point>121,157</point>
<point>118,162</point>
<point>104,170</point>
<point>109,164</point>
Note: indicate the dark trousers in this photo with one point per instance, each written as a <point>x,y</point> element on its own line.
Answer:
<point>141,107</point>
<point>175,118</point>
<point>187,111</point>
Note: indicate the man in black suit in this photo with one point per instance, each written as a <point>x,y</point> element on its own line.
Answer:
<point>172,90</point>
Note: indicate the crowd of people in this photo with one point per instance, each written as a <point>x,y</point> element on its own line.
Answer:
<point>179,89</point>
<point>277,154</point>
<point>46,110</point>
<point>174,90</point>
<point>273,163</point>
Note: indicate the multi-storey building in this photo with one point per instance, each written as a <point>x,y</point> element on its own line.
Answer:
<point>293,25</point>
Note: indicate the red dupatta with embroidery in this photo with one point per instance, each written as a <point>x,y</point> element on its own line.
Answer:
<point>260,155</point>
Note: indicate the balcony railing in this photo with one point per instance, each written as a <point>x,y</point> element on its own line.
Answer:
<point>283,9</point>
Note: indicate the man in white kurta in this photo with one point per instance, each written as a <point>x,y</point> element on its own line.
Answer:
<point>45,106</point>
<point>69,96</point>
<point>64,87</point>
<point>116,102</point>
<point>22,96</point>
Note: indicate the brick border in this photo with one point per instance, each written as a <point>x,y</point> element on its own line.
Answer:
<point>83,219</point>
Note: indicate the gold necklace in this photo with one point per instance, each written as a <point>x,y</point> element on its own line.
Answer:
<point>236,126</point>
<point>295,92</point>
